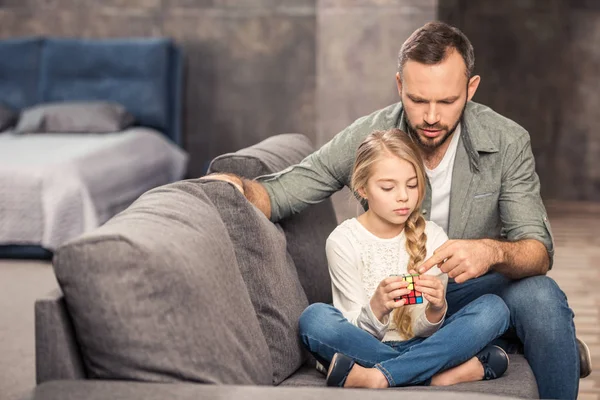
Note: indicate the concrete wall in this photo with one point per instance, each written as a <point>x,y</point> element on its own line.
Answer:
<point>539,62</point>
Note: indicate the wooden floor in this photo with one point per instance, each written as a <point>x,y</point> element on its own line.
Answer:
<point>577,270</point>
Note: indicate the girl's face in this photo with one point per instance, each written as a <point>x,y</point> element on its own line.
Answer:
<point>392,190</point>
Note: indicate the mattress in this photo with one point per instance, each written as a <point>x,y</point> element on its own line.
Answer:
<point>54,187</point>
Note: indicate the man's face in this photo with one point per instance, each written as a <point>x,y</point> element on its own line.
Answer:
<point>434,98</point>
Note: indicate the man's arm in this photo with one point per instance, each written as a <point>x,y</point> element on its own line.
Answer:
<point>256,194</point>
<point>319,175</point>
<point>467,259</point>
<point>520,259</point>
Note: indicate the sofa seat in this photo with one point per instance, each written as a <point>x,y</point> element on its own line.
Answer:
<point>105,390</point>
<point>518,381</point>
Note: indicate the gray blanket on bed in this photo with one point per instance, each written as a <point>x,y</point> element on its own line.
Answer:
<point>54,187</point>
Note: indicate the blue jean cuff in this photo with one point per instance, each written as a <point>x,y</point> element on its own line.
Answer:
<point>387,375</point>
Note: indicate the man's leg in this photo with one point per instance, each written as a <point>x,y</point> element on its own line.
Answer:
<point>460,294</point>
<point>543,321</point>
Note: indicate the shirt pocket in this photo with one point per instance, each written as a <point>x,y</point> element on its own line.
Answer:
<point>484,195</point>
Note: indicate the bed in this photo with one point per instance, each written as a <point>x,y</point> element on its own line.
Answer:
<point>56,186</point>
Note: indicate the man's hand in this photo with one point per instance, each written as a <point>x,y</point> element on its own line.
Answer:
<point>253,191</point>
<point>463,259</point>
<point>382,302</point>
<point>231,178</point>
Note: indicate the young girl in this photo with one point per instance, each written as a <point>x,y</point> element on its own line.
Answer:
<point>370,338</point>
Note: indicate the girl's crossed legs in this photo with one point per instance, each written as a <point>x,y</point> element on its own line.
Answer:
<point>324,331</point>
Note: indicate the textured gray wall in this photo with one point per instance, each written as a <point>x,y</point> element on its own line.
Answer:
<point>539,62</point>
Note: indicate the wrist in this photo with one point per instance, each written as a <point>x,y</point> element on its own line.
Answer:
<point>437,309</point>
<point>434,314</point>
<point>235,180</point>
<point>497,254</point>
<point>377,312</point>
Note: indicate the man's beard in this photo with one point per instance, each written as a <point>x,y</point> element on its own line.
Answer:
<point>427,144</point>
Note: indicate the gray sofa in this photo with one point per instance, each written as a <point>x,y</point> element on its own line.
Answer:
<point>191,286</point>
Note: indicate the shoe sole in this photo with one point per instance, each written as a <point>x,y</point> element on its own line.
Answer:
<point>585,367</point>
<point>331,366</point>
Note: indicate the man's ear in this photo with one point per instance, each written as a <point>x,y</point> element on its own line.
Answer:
<point>399,84</point>
<point>472,87</point>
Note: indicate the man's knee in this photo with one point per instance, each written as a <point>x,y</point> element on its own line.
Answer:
<point>537,298</point>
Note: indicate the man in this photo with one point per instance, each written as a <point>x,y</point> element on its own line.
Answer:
<point>482,189</point>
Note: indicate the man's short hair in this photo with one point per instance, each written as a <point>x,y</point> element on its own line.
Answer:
<point>432,43</point>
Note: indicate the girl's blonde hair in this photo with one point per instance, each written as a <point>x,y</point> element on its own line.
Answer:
<point>397,143</point>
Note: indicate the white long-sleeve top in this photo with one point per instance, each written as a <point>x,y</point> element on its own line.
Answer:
<point>359,261</point>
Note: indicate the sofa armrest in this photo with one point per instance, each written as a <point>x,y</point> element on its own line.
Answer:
<point>56,351</point>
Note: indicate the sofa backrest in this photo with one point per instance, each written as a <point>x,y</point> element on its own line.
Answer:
<point>306,232</point>
<point>156,294</point>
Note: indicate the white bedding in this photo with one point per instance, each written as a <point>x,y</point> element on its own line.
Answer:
<point>53,187</point>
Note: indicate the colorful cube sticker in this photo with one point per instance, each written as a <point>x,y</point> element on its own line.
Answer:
<point>414,297</point>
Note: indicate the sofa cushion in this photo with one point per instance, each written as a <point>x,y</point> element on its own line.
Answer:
<point>269,273</point>
<point>518,381</point>
<point>306,232</point>
<point>155,294</point>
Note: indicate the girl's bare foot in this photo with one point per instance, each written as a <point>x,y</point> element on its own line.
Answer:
<point>361,377</point>
<point>469,371</point>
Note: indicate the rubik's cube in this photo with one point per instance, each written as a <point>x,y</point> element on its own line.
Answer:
<point>413,297</point>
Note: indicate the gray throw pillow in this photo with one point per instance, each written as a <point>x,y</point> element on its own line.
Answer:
<point>155,294</point>
<point>75,117</point>
<point>269,273</point>
<point>307,231</point>
<point>8,117</point>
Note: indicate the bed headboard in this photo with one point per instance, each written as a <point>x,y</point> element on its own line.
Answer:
<point>144,75</point>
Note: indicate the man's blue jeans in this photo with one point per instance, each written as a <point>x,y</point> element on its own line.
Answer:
<point>542,320</point>
<point>324,331</point>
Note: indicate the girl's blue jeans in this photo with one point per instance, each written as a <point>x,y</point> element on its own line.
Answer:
<point>324,331</point>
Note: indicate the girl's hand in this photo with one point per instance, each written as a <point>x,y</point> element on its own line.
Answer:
<point>433,291</point>
<point>382,302</point>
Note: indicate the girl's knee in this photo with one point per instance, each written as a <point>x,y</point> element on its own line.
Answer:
<point>315,315</point>
<point>493,309</point>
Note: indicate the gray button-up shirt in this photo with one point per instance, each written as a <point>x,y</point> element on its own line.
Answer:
<point>495,189</point>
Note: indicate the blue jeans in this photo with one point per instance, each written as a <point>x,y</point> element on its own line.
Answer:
<point>542,320</point>
<point>324,331</point>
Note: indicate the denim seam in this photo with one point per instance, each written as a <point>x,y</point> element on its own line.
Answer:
<point>387,375</point>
